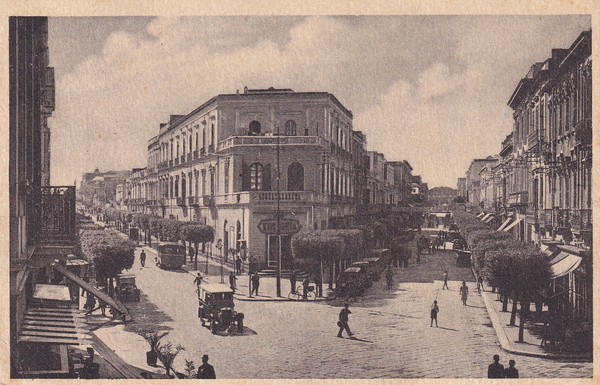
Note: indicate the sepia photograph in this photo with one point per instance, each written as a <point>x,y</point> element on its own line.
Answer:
<point>373,196</point>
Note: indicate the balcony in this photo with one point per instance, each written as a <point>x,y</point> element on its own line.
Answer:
<point>193,201</point>
<point>195,154</point>
<point>239,141</point>
<point>176,161</point>
<point>202,151</point>
<point>48,92</point>
<point>171,163</point>
<point>211,149</point>
<point>581,220</point>
<point>54,208</point>
<point>189,157</point>
<point>182,159</point>
<point>180,201</point>
<point>518,198</point>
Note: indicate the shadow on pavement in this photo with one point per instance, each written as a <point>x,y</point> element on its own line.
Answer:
<point>146,316</point>
<point>441,327</point>
<point>479,307</point>
<point>361,340</point>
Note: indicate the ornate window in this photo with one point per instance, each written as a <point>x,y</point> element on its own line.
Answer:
<point>256,176</point>
<point>290,128</point>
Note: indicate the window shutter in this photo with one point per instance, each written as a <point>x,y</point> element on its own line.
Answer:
<point>245,177</point>
<point>266,178</point>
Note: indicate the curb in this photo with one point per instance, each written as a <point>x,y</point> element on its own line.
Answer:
<point>506,345</point>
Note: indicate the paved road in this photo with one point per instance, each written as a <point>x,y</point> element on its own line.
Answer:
<point>298,340</point>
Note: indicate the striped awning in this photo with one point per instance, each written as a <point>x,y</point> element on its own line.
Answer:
<point>54,326</point>
<point>512,224</point>
<point>480,215</point>
<point>504,224</point>
<point>489,219</point>
<point>565,263</point>
<point>486,216</point>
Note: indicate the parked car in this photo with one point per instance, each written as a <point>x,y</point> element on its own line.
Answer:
<point>126,289</point>
<point>170,255</point>
<point>216,308</point>
<point>459,244</point>
<point>353,279</point>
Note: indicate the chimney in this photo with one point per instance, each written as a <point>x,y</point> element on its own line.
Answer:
<point>245,89</point>
<point>237,92</point>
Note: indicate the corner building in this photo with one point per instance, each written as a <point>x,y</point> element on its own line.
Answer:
<point>219,165</point>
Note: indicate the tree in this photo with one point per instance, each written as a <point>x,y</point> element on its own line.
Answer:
<point>110,253</point>
<point>459,199</point>
<point>319,247</point>
<point>143,222</point>
<point>170,229</point>
<point>155,225</point>
<point>399,249</point>
<point>196,234</point>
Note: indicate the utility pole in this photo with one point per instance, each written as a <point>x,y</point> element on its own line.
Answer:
<point>277,226</point>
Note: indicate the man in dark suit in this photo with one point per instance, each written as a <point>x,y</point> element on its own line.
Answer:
<point>496,369</point>
<point>206,370</point>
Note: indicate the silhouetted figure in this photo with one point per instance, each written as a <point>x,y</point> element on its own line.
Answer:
<point>511,371</point>
<point>496,369</point>
<point>206,370</point>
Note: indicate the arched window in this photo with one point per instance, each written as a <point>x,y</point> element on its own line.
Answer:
<point>254,128</point>
<point>256,176</point>
<point>290,128</point>
<point>295,177</point>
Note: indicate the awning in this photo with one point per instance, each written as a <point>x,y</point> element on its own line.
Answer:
<point>114,304</point>
<point>504,224</point>
<point>562,255</point>
<point>512,224</point>
<point>77,262</point>
<point>565,265</point>
<point>53,325</point>
<point>480,215</point>
<point>489,219</point>
<point>486,216</point>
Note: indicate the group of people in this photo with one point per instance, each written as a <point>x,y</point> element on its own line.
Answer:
<point>497,370</point>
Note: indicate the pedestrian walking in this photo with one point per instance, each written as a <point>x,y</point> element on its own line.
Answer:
<point>143,258</point>
<point>305,284</point>
<point>464,293</point>
<point>318,285</point>
<point>496,369</point>
<point>255,283</point>
<point>511,371</point>
<point>238,265</point>
<point>389,276</point>
<point>293,282</point>
<point>102,307</point>
<point>480,284</point>
<point>198,281</point>
<point>435,309</point>
<point>206,370</point>
<point>445,281</point>
<point>232,279</point>
<point>343,321</point>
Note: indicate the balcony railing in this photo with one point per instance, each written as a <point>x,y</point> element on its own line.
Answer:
<point>202,151</point>
<point>211,149</point>
<point>54,209</point>
<point>518,198</point>
<point>171,163</point>
<point>48,92</point>
<point>193,201</point>
<point>237,141</point>
<point>196,154</point>
<point>180,201</point>
<point>580,219</point>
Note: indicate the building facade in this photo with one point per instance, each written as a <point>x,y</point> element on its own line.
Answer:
<point>41,217</point>
<point>100,188</point>
<point>473,179</point>
<point>219,165</point>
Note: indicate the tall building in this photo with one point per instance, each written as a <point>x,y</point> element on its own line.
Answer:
<point>219,165</point>
<point>473,179</point>
<point>100,188</point>
<point>461,187</point>
<point>42,217</point>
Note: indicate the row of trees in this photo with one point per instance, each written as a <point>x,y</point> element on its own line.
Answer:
<point>164,229</point>
<point>517,269</point>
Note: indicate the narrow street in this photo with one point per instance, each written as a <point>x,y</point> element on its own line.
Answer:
<point>393,337</point>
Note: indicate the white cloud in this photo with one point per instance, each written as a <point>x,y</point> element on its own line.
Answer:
<point>429,90</point>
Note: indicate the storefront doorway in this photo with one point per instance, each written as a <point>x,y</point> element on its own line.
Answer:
<point>286,251</point>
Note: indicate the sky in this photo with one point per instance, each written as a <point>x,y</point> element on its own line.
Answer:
<point>431,90</point>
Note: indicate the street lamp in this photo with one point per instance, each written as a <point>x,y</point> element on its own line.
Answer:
<point>219,246</point>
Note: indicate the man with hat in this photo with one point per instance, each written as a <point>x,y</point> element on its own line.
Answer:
<point>206,370</point>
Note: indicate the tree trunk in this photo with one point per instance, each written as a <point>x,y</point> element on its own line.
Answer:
<point>111,291</point>
<point>195,255</point>
<point>331,277</point>
<point>504,303</point>
<point>522,317</point>
<point>513,314</point>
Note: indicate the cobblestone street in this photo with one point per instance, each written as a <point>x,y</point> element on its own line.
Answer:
<point>393,338</point>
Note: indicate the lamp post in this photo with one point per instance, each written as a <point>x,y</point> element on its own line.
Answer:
<point>219,246</point>
<point>277,224</point>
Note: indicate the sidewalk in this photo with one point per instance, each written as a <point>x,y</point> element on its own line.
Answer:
<point>508,335</point>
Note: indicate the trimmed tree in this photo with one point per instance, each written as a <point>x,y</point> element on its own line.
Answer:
<point>319,248</point>
<point>196,234</point>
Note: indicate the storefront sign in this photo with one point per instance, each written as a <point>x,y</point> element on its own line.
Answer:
<point>286,226</point>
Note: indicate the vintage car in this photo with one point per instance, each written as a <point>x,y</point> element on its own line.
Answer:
<point>170,255</point>
<point>216,308</point>
<point>459,244</point>
<point>353,279</point>
<point>374,268</point>
<point>126,289</point>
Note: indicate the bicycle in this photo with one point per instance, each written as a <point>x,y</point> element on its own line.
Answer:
<point>298,295</point>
